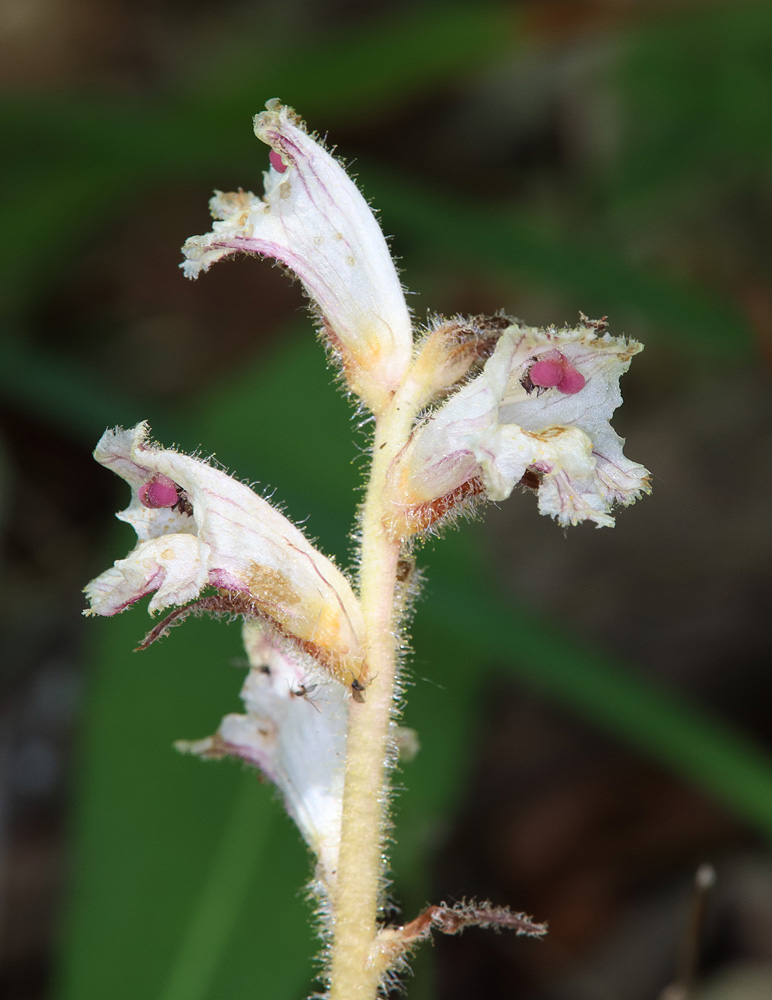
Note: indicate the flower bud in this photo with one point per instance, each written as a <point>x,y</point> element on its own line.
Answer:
<point>452,349</point>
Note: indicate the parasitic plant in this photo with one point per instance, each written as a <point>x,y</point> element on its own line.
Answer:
<point>463,411</point>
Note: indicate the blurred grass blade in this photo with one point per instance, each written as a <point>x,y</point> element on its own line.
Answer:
<point>695,95</point>
<point>44,387</point>
<point>80,159</point>
<point>351,71</point>
<point>688,740</point>
<point>213,918</point>
<point>158,880</point>
<point>501,244</point>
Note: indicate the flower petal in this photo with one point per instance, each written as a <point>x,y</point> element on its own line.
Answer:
<point>294,730</point>
<point>313,218</point>
<point>221,534</point>
<point>542,406</point>
<point>170,565</point>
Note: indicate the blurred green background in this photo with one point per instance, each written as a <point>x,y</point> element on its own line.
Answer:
<point>593,706</point>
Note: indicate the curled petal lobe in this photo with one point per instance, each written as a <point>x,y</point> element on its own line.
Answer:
<point>539,412</point>
<point>170,567</point>
<point>313,219</point>
<point>199,527</point>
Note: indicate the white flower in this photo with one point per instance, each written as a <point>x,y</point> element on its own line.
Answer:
<point>539,413</point>
<point>199,527</point>
<point>313,218</point>
<point>294,730</point>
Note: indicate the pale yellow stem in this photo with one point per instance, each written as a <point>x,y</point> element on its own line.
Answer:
<point>361,862</point>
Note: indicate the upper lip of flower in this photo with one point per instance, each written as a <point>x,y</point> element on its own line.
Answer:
<point>313,218</point>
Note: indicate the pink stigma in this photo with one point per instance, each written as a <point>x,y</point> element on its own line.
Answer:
<point>160,491</point>
<point>276,162</point>
<point>555,371</point>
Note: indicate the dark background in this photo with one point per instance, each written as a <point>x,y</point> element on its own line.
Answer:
<point>593,706</point>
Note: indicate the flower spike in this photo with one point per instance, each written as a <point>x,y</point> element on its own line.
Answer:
<point>199,527</point>
<point>477,406</point>
<point>313,219</point>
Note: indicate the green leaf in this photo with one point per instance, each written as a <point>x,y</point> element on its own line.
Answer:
<point>45,387</point>
<point>171,853</point>
<point>695,97</point>
<point>479,631</point>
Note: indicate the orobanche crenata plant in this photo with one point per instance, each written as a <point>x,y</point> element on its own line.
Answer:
<point>463,411</point>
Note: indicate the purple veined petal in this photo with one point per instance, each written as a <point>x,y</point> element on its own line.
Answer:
<point>294,731</point>
<point>506,452</point>
<point>169,567</point>
<point>221,534</point>
<point>313,218</point>
<point>551,431</point>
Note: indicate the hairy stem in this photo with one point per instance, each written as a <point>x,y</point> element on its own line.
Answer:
<point>360,873</point>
